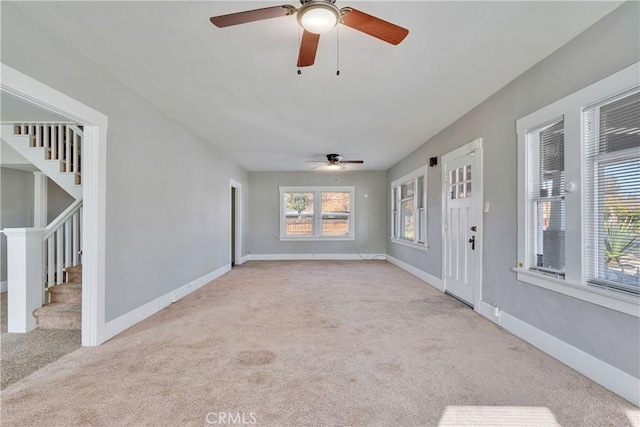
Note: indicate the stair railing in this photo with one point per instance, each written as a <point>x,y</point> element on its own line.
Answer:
<point>61,141</point>
<point>62,244</point>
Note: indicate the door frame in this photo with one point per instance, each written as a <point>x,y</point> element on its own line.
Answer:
<point>475,147</point>
<point>238,221</point>
<point>94,162</point>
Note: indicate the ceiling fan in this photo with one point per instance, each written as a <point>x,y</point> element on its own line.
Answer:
<point>334,162</point>
<point>317,17</point>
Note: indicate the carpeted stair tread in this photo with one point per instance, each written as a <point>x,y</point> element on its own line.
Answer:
<point>74,273</point>
<point>66,287</point>
<point>66,293</point>
<point>74,269</point>
<point>59,309</point>
<point>59,315</point>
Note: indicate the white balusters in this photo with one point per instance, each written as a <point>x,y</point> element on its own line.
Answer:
<point>62,243</point>
<point>61,141</point>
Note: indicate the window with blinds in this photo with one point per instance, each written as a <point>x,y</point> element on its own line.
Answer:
<point>612,160</point>
<point>546,202</point>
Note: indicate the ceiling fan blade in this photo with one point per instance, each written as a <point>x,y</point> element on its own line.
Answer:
<point>252,15</point>
<point>352,161</point>
<point>308,49</point>
<point>376,27</point>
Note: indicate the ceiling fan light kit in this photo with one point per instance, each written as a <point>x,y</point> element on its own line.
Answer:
<point>317,17</point>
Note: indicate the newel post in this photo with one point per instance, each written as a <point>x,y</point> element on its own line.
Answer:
<point>24,277</point>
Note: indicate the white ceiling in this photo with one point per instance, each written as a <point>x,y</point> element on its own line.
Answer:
<point>238,88</point>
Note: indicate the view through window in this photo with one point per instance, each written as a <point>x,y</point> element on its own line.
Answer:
<point>316,212</point>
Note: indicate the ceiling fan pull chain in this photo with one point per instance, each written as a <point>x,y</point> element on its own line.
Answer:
<point>338,50</point>
<point>299,38</point>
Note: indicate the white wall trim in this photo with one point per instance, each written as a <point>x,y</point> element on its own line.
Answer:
<point>139,314</point>
<point>3,286</point>
<point>94,189</point>
<point>307,257</point>
<point>610,377</point>
<point>242,260</point>
<point>420,274</point>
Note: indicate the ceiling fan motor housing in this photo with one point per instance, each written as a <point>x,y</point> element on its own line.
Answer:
<point>334,158</point>
<point>317,1</point>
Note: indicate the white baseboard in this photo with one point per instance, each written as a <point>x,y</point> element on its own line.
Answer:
<point>115,326</point>
<point>242,260</point>
<point>423,275</point>
<point>610,377</point>
<point>3,286</point>
<point>307,257</point>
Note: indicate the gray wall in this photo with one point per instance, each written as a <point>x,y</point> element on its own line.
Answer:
<point>168,204</point>
<point>57,200</point>
<point>608,46</point>
<point>16,207</point>
<point>370,214</point>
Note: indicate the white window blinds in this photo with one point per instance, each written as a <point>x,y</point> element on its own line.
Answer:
<point>612,160</point>
<point>546,203</point>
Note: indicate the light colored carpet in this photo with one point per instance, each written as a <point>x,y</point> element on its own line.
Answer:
<point>313,343</point>
<point>22,354</point>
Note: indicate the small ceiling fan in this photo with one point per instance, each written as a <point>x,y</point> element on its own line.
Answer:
<point>317,17</point>
<point>334,161</point>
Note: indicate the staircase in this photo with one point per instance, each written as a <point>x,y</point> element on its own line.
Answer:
<point>54,148</point>
<point>65,309</point>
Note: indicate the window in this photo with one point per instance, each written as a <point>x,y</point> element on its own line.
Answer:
<point>611,131</point>
<point>408,209</point>
<point>316,213</point>
<point>546,201</point>
<point>579,194</point>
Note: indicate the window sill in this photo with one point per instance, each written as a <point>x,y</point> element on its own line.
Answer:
<point>418,246</point>
<point>610,299</point>
<point>316,239</point>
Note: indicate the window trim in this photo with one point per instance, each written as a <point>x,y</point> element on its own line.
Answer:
<point>572,108</point>
<point>397,184</point>
<point>317,212</point>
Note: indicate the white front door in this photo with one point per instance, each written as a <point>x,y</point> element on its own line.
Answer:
<point>462,221</point>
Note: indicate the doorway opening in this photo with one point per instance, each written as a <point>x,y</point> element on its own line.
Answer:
<point>233,226</point>
<point>35,94</point>
<point>236,223</point>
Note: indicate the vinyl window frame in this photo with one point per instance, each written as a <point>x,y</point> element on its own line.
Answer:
<point>396,211</point>
<point>572,107</point>
<point>317,212</point>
